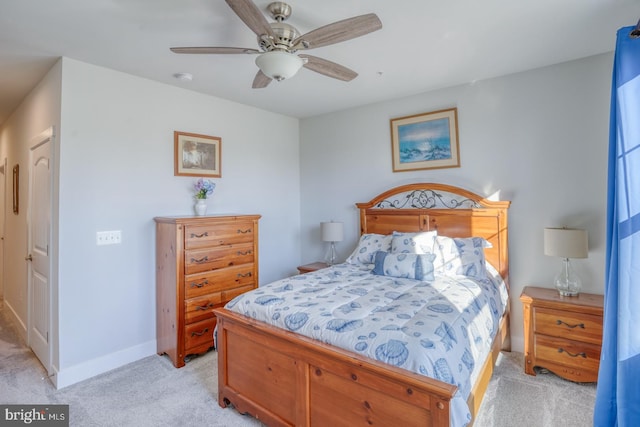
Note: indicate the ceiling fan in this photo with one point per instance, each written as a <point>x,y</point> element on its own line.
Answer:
<point>279,42</point>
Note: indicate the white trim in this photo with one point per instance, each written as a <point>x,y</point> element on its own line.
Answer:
<point>17,321</point>
<point>102,364</point>
<point>3,226</point>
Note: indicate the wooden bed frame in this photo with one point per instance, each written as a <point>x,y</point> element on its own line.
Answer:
<point>285,379</point>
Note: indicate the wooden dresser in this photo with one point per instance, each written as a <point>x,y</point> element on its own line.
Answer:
<point>562,334</point>
<point>201,263</point>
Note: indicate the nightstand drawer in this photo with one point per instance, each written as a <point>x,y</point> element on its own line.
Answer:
<point>565,324</point>
<point>567,353</point>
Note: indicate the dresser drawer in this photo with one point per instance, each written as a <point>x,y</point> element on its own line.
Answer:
<point>567,324</point>
<point>567,352</point>
<point>232,293</point>
<point>218,280</point>
<point>200,236</point>
<point>199,333</point>
<point>201,308</point>
<point>199,260</point>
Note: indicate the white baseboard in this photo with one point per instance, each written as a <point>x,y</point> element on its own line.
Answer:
<point>74,374</point>
<point>17,321</point>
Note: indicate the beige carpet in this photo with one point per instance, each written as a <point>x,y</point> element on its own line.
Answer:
<point>151,392</point>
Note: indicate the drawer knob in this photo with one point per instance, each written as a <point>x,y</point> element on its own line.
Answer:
<point>198,236</point>
<point>243,253</point>
<point>244,275</point>
<point>201,260</point>
<point>577,325</point>
<point>248,230</point>
<point>199,285</point>
<point>199,334</point>
<point>204,307</point>
<point>581,354</point>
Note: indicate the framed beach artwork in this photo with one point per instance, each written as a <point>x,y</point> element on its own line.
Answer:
<point>197,155</point>
<point>425,141</point>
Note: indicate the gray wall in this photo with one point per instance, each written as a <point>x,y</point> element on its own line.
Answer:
<point>116,157</point>
<point>537,138</point>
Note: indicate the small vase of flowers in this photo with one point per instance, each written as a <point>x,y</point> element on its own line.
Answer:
<point>204,188</point>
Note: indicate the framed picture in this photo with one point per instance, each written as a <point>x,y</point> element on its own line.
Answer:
<point>425,141</point>
<point>197,155</point>
<point>16,188</point>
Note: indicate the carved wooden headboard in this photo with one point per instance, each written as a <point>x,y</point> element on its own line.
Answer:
<point>450,210</point>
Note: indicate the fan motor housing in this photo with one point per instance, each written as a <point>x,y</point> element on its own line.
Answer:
<point>285,35</point>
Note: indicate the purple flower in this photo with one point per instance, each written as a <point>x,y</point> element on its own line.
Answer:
<point>204,188</point>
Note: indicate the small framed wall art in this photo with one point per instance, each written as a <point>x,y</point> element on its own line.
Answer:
<point>197,155</point>
<point>425,141</point>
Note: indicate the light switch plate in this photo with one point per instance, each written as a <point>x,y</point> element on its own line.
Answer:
<point>108,237</point>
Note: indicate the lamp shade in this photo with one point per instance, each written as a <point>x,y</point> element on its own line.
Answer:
<point>332,231</point>
<point>279,65</point>
<point>566,242</point>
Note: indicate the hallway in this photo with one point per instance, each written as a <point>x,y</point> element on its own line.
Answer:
<point>22,375</point>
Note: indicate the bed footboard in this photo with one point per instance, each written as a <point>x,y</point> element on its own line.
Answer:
<point>284,379</point>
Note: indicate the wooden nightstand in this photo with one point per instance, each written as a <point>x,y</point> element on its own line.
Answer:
<point>562,334</point>
<point>307,268</point>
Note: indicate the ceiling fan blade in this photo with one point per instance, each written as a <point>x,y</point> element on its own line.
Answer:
<point>261,80</point>
<point>251,16</point>
<point>328,68</point>
<point>205,50</point>
<point>340,31</point>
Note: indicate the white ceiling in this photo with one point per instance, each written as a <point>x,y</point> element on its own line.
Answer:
<point>423,44</point>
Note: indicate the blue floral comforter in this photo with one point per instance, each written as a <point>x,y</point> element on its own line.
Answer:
<point>442,329</point>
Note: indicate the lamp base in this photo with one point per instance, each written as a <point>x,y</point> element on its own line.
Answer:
<point>331,256</point>
<point>567,282</point>
<point>566,293</point>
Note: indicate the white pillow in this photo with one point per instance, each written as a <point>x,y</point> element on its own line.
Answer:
<point>461,256</point>
<point>413,243</point>
<point>405,265</point>
<point>368,245</point>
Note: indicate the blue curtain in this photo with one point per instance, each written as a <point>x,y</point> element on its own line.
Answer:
<point>618,390</point>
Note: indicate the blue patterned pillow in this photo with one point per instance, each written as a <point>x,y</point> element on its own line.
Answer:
<point>368,245</point>
<point>413,243</point>
<point>409,266</point>
<point>461,256</point>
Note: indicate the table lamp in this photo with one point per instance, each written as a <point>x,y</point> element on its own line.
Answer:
<point>566,243</point>
<point>332,232</point>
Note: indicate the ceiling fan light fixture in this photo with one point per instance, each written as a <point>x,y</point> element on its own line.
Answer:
<point>279,65</point>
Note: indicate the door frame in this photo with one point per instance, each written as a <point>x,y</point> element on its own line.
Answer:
<point>47,136</point>
<point>3,224</point>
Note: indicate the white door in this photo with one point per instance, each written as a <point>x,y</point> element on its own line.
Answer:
<point>39,230</point>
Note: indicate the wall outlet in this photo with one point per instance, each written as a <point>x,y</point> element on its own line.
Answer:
<point>109,237</point>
